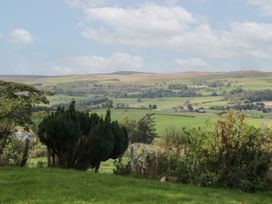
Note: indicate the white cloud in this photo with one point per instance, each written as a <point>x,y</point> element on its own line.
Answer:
<point>95,64</point>
<point>174,28</point>
<point>264,5</point>
<point>248,39</point>
<point>21,36</point>
<point>194,63</point>
<point>145,26</point>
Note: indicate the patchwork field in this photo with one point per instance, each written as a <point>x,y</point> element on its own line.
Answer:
<point>133,90</point>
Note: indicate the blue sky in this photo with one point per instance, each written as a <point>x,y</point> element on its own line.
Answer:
<point>54,37</point>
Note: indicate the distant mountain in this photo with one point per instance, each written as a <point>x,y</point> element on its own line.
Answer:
<point>21,78</point>
<point>127,73</point>
<point>136,77</point>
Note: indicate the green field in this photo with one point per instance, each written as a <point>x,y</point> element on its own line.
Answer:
<point>24,185</point>
<point>166,120</point>
<point>165,115</point>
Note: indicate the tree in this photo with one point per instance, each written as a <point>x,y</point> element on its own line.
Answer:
<point>132,129</point>
<point>142,131</point>
<point>190,107</point>
<point>109,104</point>
<point>17,102</point>
<point>139,100</point>
<point>147,131</point>
<point>79,140</point>
<point>120,134</point>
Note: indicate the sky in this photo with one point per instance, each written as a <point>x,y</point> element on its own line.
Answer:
<point>59,37</point>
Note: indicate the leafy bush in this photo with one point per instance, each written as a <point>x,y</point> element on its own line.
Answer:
<point>234,155</point>
<point>174,140</point>
<point>13,150</point>
<point>120,168</point>
<point>41,164</point>
<point>38,150</point>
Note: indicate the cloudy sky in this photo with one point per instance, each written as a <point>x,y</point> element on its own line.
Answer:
<point>98,36</point>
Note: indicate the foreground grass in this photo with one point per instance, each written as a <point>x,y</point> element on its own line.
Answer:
<point>67,186</point>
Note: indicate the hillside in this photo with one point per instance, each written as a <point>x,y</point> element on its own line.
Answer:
<point>67,186</point>
<point>132,92</point>
<point>138,77</point>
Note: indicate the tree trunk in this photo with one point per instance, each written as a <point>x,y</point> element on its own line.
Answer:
<point>53,160</point>
<point>25,154</point>
<point>97,166</point>
<point>49,161</point>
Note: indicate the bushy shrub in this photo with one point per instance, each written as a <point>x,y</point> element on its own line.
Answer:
<point>38,150</point>
<point>120,167</point>
<point>174,140</point>
<point>13,150</point>
<point>41,164</point>
<point>172,164</point>
<point>234,155</point>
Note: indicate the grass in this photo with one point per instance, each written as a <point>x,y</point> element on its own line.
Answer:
<point>167,103</point>
<point>62,99</point>
<point>165,119</point>
<point>67,186</point>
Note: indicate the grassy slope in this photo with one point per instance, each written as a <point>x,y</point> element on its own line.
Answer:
<point>67,186</point>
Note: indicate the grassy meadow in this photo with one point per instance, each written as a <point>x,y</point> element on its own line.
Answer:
<point>26,185</point>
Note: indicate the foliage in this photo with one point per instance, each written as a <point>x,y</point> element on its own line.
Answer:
<point>16,106</point>
<point>234,155</point>
<point>17,100</point>
<point>250,95</point>
<point>142,131</point>
<point>250,106</point>
<point>80,140</point>
<point>221,108</point>
<point>190,107</point>
<point>174,140</point>
<point>160,93</point>
<point>147,130</point>
<point>37,150</point>
<point>6,129</point>
<point>120,168</point>
<point>182,87</point>
<point>41,164</point>
<point>13,150</point>
<point>132,129</point>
